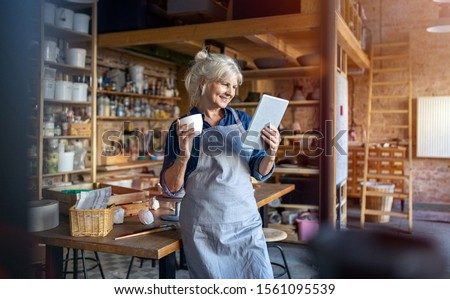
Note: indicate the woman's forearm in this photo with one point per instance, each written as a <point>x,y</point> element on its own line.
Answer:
<point>174,175</point>
<point>266,165</point>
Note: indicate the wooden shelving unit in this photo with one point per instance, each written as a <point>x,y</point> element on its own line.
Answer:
<point>72,39</point>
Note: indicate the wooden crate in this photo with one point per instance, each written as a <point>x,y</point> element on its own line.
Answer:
<point>80,129</point>
<point>120,195</point>
<point>114,160</point>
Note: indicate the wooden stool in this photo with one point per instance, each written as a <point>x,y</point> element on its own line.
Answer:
<point>272,236</point>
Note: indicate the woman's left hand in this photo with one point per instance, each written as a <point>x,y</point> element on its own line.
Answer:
<point>271,137</point>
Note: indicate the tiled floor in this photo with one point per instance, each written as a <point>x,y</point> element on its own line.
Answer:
<point>301,259</point>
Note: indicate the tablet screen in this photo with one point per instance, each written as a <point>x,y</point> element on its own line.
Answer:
<point>270,110</point>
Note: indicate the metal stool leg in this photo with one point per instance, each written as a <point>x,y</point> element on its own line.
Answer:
<point>75,257</point>
<point>83,259</point>
<point>129,267</point>
<point>141,264</point>
<point>99,265</point>
<point>66,263</point>
<point>284,266</point>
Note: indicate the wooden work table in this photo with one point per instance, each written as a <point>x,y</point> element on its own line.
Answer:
<point>161,246</point>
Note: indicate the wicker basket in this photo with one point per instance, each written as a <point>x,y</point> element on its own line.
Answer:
<point>91,223</point>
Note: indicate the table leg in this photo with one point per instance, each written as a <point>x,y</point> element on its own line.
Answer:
<point>53,262</point>
<point>168,266</point>
<point>264,216</point>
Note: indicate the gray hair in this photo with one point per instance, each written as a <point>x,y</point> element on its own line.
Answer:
<point>209,67</point>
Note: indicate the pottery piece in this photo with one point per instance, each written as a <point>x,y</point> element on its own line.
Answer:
<point>270,62</point>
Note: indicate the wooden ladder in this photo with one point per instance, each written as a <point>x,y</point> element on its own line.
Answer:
<point>389,115</point>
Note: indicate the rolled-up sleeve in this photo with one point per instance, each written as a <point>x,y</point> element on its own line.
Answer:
<point>255,160</point>
<point>171,153</point>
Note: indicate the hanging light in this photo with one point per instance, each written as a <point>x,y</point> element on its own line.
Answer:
<point>442,24</point>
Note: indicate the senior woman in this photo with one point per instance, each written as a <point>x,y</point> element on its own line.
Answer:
<point>220,224</point>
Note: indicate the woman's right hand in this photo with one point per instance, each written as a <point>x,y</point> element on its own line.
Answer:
<point>185,140</point>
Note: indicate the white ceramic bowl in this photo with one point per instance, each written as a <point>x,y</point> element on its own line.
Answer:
<point>193,121</point>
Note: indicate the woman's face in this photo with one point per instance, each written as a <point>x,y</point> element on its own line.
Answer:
<point>221,92</point>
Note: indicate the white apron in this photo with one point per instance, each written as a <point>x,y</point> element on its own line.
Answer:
<point>220,223</point>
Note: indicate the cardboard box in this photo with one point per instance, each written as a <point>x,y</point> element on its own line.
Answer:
<point>121,195</point>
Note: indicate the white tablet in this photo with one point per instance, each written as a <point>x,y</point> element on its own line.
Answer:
<point>270,110</point>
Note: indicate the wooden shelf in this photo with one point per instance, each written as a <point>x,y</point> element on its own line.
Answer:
<point>130,165</point>
<point>66,68</point>
<point>132,118</point>
<point>74,36</point>
<point>137,95</point>
<point>290,35</point>
<point>67,137</point>
<point>296,170</point>
<point>68,103</point>
<point>281,73</point>
<point>291,103</point>
<point>46,175</point>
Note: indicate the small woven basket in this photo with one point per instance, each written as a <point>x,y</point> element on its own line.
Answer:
<point>93,223</point>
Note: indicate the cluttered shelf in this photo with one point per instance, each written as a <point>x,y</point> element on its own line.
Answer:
<point>138,95</point>
<point>130,165</point>
<point>291,103</point>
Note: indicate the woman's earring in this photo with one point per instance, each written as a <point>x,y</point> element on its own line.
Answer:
<point>203,89</point>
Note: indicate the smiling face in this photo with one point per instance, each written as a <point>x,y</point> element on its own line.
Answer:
<point>218,94</point>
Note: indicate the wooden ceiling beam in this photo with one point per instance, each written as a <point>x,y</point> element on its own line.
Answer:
<point>273,42</point>
<point>273,24</point>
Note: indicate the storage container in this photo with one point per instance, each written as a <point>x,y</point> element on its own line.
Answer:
<point>81,23</point>
<point>381,203</point>
<point>307,226</point>
<point>91,223</point>
<point>120,195</point>
<point>64,18</point>
<point>76,57</point>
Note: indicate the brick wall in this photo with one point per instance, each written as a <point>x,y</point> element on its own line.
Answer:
<point>393,20</point>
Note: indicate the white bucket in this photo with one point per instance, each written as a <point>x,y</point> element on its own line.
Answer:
<point>50,50</point>
<point>49,88</point>
<point>49,73</point>
<point>81,22</point>
<point>63,91</point>
<point>79,92</point>
<point>49,13</point>
<point>137,73</point>
<point>64,18</point>
<point>76,57</point>
<point>65,161</point>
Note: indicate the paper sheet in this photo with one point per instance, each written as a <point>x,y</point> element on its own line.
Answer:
<point>93,200</point>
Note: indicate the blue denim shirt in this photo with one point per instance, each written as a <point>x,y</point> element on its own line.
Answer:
<point>172,149</point>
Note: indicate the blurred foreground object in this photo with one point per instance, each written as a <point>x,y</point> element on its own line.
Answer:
<point>377,255</point>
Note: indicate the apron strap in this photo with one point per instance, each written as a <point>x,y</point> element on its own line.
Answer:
<point>238,121</point>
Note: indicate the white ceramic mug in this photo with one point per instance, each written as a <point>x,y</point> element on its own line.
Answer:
<point>193,121</point>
